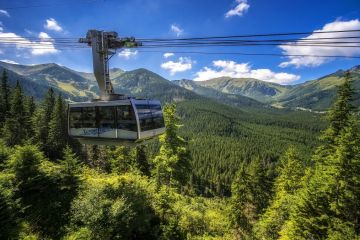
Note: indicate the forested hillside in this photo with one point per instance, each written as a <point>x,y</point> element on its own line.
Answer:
<point>219,171</point>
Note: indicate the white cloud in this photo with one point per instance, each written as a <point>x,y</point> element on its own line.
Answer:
<point>45,45</point>
<point>337,25</point>
<point>127,53</point>
<point>241,8</point>
<point>52,24</point>
<point>224,68</point>
<point>183,64</point>
<point>168,54</point>
<point>9,61</point>
<point>4,13</point>
<point>176,29</point>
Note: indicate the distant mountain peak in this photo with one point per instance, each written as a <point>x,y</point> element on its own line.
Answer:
<point>355,68</point>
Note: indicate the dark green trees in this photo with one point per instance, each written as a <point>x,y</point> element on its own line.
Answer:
<point>42,119</point>
<point>327,207</point>
<point>17,122</point>
<point>250,190</point>
<point>4,97</point>
<point>58,137</point>
<point>291,170</point>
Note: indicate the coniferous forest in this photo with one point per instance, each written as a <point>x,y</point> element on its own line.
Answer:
<point>237,174</point>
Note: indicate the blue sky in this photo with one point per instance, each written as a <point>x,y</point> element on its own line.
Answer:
<point>184,18</point>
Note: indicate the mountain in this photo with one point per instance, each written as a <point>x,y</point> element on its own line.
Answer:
<point>71,84</point>
<point>146,84</point>
<point>226,98</point>
<point>319,94</point>
<point>248,87</point>
<point>242,92</point>
<point>31,88</point>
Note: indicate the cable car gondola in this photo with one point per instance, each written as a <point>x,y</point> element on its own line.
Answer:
<point>114,119</point>
<point>115,122</point>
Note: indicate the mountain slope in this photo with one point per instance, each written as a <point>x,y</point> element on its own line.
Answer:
<point>319,94</point>
<point>29,87</point>
<point>146,84</point>
<point>226,98</point>
<point>61,79</point>
<point>249,87</point>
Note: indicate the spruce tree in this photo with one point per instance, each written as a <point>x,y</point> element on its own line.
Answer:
<point>341,110</point>
<point>172,165</point>
<point>30,109</point>
<point>328,203</point>
<point>15,130</point>
<point>57,138</point>
<point>291,170</point>
<point>4,97</point>
<point>142,161</point>
<point>42,119</point>
<point>250,193</point>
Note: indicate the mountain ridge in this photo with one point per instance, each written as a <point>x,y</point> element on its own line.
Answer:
<point>315,94</point>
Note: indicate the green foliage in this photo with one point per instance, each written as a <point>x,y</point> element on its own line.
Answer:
<point>223,138</point>
<point>4,154</point>
<point>250,195</point>
<point>58,137</point>
<point>15,129</point>
<point>291,170</point>
<point>44,190</point>
<point>8,221</point>
<point>113,207</point>
<point>172,163</point>
<point>328,204</point>
<point>341,111</point>
<point>42,119</point>
<point>4,97</point>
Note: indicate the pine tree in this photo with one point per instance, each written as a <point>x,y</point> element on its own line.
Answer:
<point>250,193</point>
<point>329,201</point>
<point>57,138</point>
<point>173,162</point>
<point>42,119</point>
<point>242,207</point>
<point>341,110</point>
<point>30,109</point>
<point>15,131</point>
<point>4,97</point>
<point>291,171</point>
<point>70,162</point>
<point>8,223</point>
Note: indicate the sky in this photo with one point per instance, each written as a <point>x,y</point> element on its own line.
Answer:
<point>47,19</point>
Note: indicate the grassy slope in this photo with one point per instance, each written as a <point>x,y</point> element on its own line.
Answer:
<point>253,88</point>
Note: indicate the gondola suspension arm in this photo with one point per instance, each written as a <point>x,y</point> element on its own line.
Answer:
<point>104,46</point>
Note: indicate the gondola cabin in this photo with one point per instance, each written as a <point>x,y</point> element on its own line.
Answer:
<point>118,122</point>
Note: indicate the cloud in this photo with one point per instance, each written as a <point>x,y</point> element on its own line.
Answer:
<point>45,44</point>
<point>183,64</point>
<point>52,24</point>
<point>224,68</point>
<point>168,54</point>
<point>176,29</point>
<point>127,53</point>
<point>4,13</point>
<point>8,61</point>
<point>337,25</point>
<point>241,8</point>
